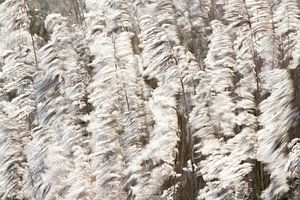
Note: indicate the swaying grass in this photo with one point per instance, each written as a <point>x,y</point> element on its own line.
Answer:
<point>149,100</point>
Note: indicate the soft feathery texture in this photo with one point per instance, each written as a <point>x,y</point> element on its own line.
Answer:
<point>286,20</point>
<point>149,100</point>
<point>273,139</point>
<point>58,138</point>
<point>18,66</point>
